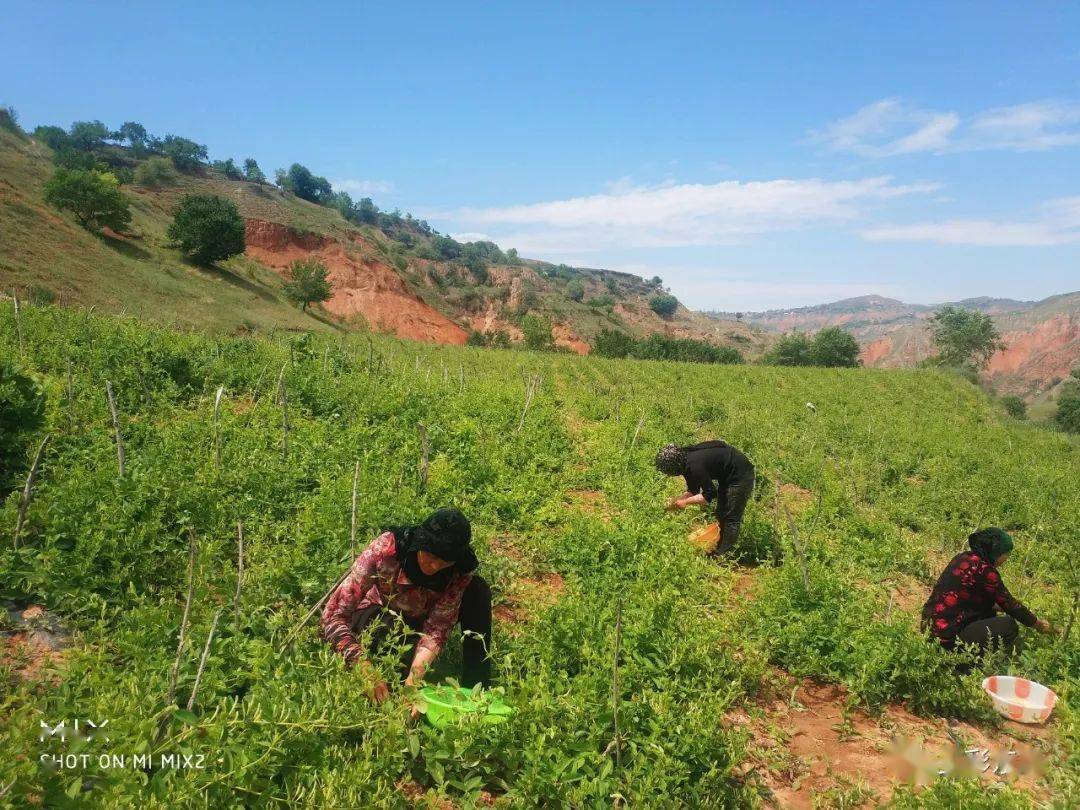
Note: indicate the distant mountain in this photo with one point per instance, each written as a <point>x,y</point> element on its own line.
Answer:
<point>1042,338</point>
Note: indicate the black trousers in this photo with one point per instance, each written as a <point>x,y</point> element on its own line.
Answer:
<point>474,620</point>
<point>1001,632</point>
<point>731,503</point>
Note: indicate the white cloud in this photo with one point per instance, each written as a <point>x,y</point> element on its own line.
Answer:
<point>892,127</point>
<point>677,215</point>
<point>363,188</point>
<point>1058,225</point>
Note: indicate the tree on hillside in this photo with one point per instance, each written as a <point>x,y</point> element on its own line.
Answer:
<point>664,304</point>
<point>964,337</point>
<point>156,172</point>
<point>133,133</point>
<point>93,197</point>
<point>794,349</point>
<point>53,137</point>
<point>186,154</point>
<point>1068,405</point>
<point>87,135</point>
<point>575,290</point>
<point>1014,406</point>
<point>208,228</point>
<point>228,168</point>
<point>834,347</point>
<point>252,172</point>
<point>537,331</point>
<point>308,284</point>
<point>300,181</point>
<point>512,257</point>
<point>367,211</point>
<point>9,120</point>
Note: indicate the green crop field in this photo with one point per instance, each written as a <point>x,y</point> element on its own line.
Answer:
<point>622,650</point>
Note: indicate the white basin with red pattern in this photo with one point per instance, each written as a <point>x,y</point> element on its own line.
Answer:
<point>1020,699</point>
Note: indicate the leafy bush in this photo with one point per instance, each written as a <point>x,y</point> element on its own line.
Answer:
<point>228,168</point>
<point>252,172</point>
<point>185,154</point>
<point>9,120</point>
<point>22,413</point>
<point>88,135</point>
<point>602,302</point>
<point>208,228</point>
<point>308,284</point>
<point>664,304</point>
<point>613,343</point>
<point>1067,415</point>
<point>833,347</point>
<point>794,349</point>
<point>300,181</point>
<point>93,197</point>
<point>55,138</point>
<point>575,290</point>
<point>537,331</point>
<point>156,172</point>
<point>964,336</point>
<point>1015,406</point>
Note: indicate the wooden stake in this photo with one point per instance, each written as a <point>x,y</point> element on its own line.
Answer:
<point>217,426</point>
<point>293,633</point>
<point>18,321</point>
<point>28,490</point>
<point>192,551</point>
<point>529,393</point>
<point>640,424</point>
<point>202,661</point>
<point>425,449</point>
<point>284,401</point>
<point>70,391</point>
<point>116,428</point>
<point>615,684</point>
<point>352,521</point>
<point>239,570</point>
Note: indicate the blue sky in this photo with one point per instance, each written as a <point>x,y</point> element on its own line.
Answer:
<point>753,155</point>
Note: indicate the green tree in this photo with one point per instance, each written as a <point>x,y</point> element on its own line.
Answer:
<point>664,304</point>
<point>300,181</point>
<point>794,349</point>
<point>537,331</point>
<point>9,120</point>
<point>1014,406</point>
<point>252,172</point>
<point>1068,404</point>
<point>186,155</point>
<point>613,343</point>
<point>208,228</point>
<point>308,284</point>
<point>228,168</point>
<point>53,137</point>
<point>156,172</point>
<point>22,411</point>
<point>133,133</point>
<point>93,197</point>
<point>512,257</point>
<point>575,290</point>
<point>87,135</point>
<point>834,347</point>
<point>964,337</point>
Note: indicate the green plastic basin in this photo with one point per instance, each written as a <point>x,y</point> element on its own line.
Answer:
<point>445,704</point>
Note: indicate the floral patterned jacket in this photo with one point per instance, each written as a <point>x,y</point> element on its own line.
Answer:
<point>969,590</point>
<point>376,578</point>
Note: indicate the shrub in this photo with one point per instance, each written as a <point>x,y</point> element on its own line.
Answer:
<point>228,168</point>
<point>156,172</point>
<point>9,120</point>
<point>1068,407</point>
<point>604,301</point>
<point>964,336</point>
<point>132,132</point>
<point>537,331</point>
<point>87,135</point>
<point>93,197</point>
<point>834,347</point>
<point>613,343</point>
<point>575,291</point>
<point>68,157</point>
<point>300,181</point>
<point>1014,406</point>
<point>208,228</point>
<point>186,155</point>
<point>252,172</point>
<point>309,284</point>
<point>22,411</point>
<point>664,304</point>
<point>794,349</point>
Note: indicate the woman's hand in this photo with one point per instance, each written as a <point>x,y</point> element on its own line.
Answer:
<point>380,692</point>
<point>1043,626</point>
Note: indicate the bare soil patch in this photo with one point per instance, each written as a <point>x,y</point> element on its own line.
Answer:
<point>590,501</point>
<point>527,597</point>
<point>795,498</point>
<point>805,741</point>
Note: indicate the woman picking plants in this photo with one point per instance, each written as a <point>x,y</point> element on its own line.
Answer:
<point>963,603</point>
<point>420,580</point>
<point>714,471</point>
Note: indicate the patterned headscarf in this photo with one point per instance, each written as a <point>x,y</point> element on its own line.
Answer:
<point>990,543</point>
<point>671,460</point>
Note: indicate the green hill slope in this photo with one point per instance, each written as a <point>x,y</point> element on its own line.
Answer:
<point>591,577</point>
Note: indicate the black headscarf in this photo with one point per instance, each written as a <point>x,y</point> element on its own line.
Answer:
<point>671,460</point>
<point>446,533</point>
<point>990,543</point>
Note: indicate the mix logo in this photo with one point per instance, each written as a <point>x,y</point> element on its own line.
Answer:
<point>84,729</point>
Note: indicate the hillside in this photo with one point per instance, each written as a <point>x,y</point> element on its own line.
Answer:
<point>635,667</point>
<point>1042,337</point>
<point>390,282</point>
